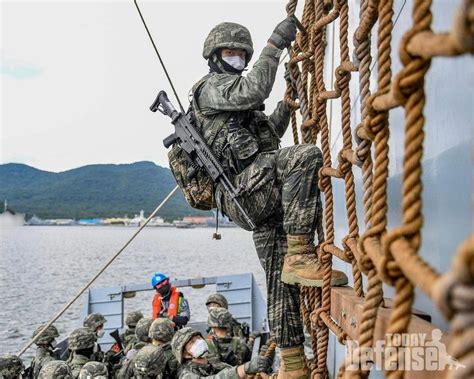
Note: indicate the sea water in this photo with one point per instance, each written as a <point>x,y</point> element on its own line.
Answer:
<point>43,267</point>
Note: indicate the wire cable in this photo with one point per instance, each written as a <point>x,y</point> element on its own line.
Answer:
<point>159,57</point>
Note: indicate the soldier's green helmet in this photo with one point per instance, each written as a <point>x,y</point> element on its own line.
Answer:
<point>143,328</point>
<point>149,362</point>
<point>229,35</point>
<point>81,338</point>
<point>180,339</point>
<point>92,370</point>
<point>161,329</point>
<point>219,318</point>
<point>10,366</point>
<point>94,320</point>
<point>132,317</point>
<point>55,370</point>
<point>47,336</point>
<point>218,299</point>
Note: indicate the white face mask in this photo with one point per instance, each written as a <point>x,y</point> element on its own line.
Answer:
<point>236,62</point>
<point>199,348</point>
<point>54,343</point>
<point>100,333</point>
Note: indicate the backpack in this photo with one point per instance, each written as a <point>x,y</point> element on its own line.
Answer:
<point>198,191</point>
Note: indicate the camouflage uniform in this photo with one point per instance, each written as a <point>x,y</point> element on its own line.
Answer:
<point>278,186</point>
<point>149,362</point>
<point>142,333</point>
<point>55,370</point>
<point>229,349</point>
<point>131,318</point>
<point>44,351</point>
<point>10,367</point>
<point>237,327</point>
<point>80,340</point>
<point>192,370</point>
<point>162,330</point>
<point>94,370</point>
<point>93,321</point>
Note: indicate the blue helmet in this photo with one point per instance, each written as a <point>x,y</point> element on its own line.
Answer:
<point>158,278</point>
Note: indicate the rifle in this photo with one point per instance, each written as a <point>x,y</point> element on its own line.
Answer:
<point>198,154</point>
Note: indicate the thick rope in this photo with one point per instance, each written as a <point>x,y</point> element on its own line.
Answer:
<point>379,254</point>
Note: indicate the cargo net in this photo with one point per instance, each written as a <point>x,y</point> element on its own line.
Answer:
<point>384,255</point>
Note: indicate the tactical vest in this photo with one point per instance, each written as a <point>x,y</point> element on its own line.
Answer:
<point>227,351</point>
<point>236,138</point>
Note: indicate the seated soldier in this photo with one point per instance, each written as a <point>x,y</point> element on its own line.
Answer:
<point>141,332</point>
<point>81,345</point>
<point>131,319</point>
<point>229,349</point>
<point>96,322</point>
<point>11,367</point>
<point>55,370</point>
<point>190,350</point>
<point>219,300</point>
<point>168,301</point>
<point>150,363</point>
<point>94,370</point>
<point>44,352</point>
<point>161,333</point>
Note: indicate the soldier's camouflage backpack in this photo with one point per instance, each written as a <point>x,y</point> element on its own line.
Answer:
<point>198,190</point>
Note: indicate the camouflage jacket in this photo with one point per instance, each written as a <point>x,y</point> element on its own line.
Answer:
<point>230,350</point>
<point>76,362</point>
<point>128,337</point>
<point>172,364</point>
<point>219,96</point>
<point>42,357</point>
<point>191,370</point>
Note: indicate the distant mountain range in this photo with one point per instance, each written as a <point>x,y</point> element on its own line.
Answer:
<point>102,190</point>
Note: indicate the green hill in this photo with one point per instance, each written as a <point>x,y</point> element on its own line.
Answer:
<point>102,190</point>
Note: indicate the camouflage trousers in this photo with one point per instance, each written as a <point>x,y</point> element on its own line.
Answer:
<point>281,195</point>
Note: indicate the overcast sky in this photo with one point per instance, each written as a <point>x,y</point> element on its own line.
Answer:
<point>78,77</point>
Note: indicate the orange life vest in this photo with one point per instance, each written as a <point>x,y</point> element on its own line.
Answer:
<point>173,306</point>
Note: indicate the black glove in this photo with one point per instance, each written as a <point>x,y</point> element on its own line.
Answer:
<point>257,364</point>
<point>284,33</point>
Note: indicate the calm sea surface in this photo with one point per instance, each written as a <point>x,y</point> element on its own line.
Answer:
<point>43,267</point>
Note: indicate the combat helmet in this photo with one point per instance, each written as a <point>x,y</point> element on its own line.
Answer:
<point>218,299</point>
<point>47,336</point>
<point>55,370</point>
<point>81,338</point>
<point>219,318</point>
<point>142,329</point>
<point>161,329</point>
<point>10,366</point>
<point>94,370</point>
<point>132,317</point>
<point>230,35</point>
<point>149,362</point>
<point>180,339</point>
<point>94,320</point>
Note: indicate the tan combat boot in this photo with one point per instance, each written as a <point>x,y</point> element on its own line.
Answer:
<point>302,267</point>
<point>293,364</point>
